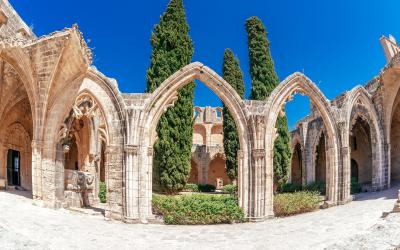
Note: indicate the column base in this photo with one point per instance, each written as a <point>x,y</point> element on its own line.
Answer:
<point>349,199</point>
<point>260,219</point>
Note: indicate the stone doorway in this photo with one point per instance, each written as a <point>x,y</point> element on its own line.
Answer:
<point>13,168</point>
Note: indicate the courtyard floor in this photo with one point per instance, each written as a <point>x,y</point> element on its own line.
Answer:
<point>357,225</point>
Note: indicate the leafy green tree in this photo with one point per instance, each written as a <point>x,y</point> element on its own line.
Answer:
<point>264,80</point>
<point>172,49</point>
<point>232,73</point>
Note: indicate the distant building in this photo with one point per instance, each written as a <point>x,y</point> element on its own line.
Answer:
<point>208,158</point>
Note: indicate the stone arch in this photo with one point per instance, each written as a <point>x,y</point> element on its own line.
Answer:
<point>315,141</point>
<point>297,140</point>
<point>392,128</point>
<point>20,62</point>
<point>216,136</point>
<point>199,134</point>
<point>298,82</point>
<point>105,92</point>
<point>17,111</point>
<point>360,105</point>
<point>297,166</point>
<point>218,113</point>
<point>217,171</point>
<point>165,96</point>
<point>17,138</point>
<point>198,113</point>
<point>113,109</point>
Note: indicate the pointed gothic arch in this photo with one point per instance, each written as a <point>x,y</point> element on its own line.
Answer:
<point>359,105</point>
<point>163,98</point>
<point>293,84</point>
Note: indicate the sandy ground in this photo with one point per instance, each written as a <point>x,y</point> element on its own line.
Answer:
<point>356,225</point>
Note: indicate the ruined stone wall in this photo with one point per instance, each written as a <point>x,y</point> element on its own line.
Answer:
<point>207,143</point>
<point>46,77</point>
<point>11,24</point>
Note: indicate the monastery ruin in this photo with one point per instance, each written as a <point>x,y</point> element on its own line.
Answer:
<point>65,127</point>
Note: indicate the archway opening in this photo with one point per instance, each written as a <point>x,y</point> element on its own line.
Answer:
<point>84,147</point>
<point>320,160</point>
<point>320,108</point>
<point>16,132</point>
<point>361,156</point>
<point>297,165</point>
<point>217,175</point>
<point>395,141</point>
<point>207,123</point>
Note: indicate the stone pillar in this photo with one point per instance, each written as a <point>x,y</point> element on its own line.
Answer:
<point>388,166</point>
<point>345,172</point>
<point>331,178</point>
<point>309,162</point>
<point>145,183</point>
<point>131,183</point>
<point>114,181</point>
<point>260,174</point>
<point>240,181</point>
<point>37,147</point>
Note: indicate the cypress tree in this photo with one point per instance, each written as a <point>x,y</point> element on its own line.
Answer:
<point>264,80</point>
<point>172,49</point>
<point>232,73</point>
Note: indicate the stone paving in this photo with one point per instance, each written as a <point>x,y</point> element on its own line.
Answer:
<point>25,226</point>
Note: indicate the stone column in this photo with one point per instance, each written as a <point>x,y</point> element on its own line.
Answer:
<point>240,181</point>
<point>145,183</point>
<point>131,183</point>
<point>345,172</point>
<point>344,168</point>
<point>260,185</point>
<point>37,147</point>
<point>388,165</point>
<point>309,162</point>
<point>114,181</point>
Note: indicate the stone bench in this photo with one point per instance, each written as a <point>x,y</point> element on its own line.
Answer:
<point>2,184</point>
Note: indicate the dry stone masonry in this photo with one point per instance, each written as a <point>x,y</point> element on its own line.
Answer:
<point>65,127</point>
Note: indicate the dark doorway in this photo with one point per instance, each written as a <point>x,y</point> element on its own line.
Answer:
<point>13,168</point>
<point>354,170</point>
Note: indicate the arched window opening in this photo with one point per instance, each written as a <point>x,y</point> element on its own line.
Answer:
<point>361,153</point>
<point>297,165</point>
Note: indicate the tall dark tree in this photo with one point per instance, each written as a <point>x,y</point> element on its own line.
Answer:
<point>264,80</point>
<point>232,73</point>
<point>172,49</point>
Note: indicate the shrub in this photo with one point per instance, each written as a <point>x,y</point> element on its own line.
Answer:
<point>230,189</point>
<point>290,188</point>
<point>197,209</point>
<point>295,203</point>
<point>192,187</point>
<point>206,188</point>
<point>355,187</point>
<point>102,192</point>
<point>318,186</point>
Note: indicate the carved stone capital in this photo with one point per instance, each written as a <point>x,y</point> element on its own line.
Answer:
<point>345,150</point>
<point>111,149</point>
<point>258,153</point>
<point>240,154</point>
<point>131,149</point>
<point>150,151</point>
<point>37,144</point>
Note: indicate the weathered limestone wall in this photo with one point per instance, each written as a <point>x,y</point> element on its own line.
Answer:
<point>11,24</point>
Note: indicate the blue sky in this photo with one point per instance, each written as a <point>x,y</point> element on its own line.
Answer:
<point>335,43</point>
